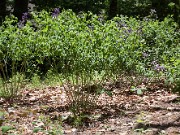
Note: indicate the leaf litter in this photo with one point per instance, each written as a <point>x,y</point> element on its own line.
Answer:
<point>45,111</point>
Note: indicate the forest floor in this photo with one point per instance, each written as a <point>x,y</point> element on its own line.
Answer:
<point>40,111</point>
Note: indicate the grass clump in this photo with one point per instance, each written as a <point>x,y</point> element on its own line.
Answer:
<point>10,88</point>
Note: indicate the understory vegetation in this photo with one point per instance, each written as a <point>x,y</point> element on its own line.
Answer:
<point>81,52</point>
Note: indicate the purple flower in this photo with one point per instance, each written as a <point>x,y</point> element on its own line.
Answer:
<point>145,54</point>
<point>162,68</point>
<point>91,27</point>
<point>129,30</point>
<point>100,19</point>
<point>154,62</point>
<point>55,12</point>
<point>25,16</point>
<point>122,24</point>
<point>22,22</point>
<point>157,67</point>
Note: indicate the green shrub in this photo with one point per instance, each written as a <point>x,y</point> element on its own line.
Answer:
<point>73,44</point>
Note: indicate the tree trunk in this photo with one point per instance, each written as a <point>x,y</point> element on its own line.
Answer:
<point>112,8</point>
<point>2,9</point>
<point>20,7</point>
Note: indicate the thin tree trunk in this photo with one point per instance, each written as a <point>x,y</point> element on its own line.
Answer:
<point>2,9</point>
<point>20,7</point>
<point>112,8</point>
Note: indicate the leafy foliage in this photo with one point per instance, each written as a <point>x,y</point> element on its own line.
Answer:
<point>82,46</point>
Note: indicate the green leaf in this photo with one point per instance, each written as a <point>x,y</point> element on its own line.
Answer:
<point>140,121</point>
<point>109,93</point>
<point>171,4</point>
<point>133,88</point>
<point>5,129</point>
<point>36,129</point>
<point>171,80</point>
<point>139,92</point>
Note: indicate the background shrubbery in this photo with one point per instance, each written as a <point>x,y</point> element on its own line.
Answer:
<point>74,44</point>
<point>134,8</point>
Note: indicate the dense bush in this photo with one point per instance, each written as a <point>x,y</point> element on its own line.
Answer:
<point>70,43</point>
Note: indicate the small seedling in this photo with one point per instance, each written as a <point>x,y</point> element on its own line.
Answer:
<point>139,91</point>
<point>5,129</point>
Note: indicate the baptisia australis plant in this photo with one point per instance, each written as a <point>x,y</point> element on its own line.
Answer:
<point>80,45</point>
